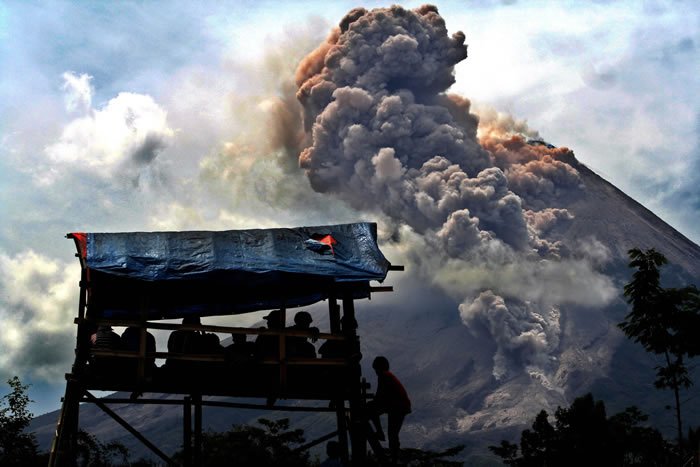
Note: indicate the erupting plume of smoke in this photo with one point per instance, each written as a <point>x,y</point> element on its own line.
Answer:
<point>384,136</point>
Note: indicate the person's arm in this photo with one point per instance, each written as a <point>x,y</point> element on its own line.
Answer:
<point>381,396</point>
<point>314,333</point>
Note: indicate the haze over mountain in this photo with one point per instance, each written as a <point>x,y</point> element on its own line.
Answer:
<point>448,368</point>
<point>515,252</point>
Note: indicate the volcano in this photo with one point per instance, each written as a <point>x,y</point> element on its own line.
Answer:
<point>448,369</point>
<point>515,251</point>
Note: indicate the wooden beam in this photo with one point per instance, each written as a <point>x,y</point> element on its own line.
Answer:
<point>315,442</point>
<point>129,428</point>
<point>386,288</point>
<point>197,454</point>
<point>279,408</point>
<point>187,432</point>
<point>207,328</point>
<point>219,358</point>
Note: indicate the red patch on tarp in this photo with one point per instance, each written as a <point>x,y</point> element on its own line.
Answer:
<point>326,240</point>
<point>81,242</point>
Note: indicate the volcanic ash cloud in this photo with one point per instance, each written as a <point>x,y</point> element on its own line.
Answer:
<point>383,135</point>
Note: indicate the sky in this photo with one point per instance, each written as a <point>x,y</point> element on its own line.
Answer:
<point>141,116</point>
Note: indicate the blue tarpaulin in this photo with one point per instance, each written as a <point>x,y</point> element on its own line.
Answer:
<point>171,274</point>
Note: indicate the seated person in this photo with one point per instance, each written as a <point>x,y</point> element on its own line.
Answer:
<point>299,346</point>
<point>267,346</point>
<point>333,453</point>
<point>184,341</point>
<point>130,340</point>
<point>106,339</point>
<point>211,344</point>
<point>339,348</point>
<point>241,350</point>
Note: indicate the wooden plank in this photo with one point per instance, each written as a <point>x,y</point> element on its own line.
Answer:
<point>219,358</point>
<point>208,328</point>
<point>129,428</point>
<point>316,442</point>
<point>279,408</point>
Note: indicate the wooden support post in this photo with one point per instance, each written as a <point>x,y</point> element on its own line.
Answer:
<point>143,338</point>
<point>82,342</point>
<point>358,438</point>
<point>197,454</point>
<point>63,448</point>
<point>187,432</point>
<point>334,315</point>
<point>342,430</point>
<point>283,351</point>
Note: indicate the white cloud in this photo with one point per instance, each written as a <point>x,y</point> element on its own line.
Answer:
<point>115,141</point>
<point>224,88</point>
<point>78,91</point>
<point>37,305</point>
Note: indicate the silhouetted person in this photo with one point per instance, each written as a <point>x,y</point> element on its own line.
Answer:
<point>184,341</point>
<point>241,350</point>
<point>333,453</point>
<point>210,343</point>
<point>267,346</point>
<point>299,346</point>
<point>391,398</point>
<point>106,339</point>
<point>340,348</point>
<point>130,340</point>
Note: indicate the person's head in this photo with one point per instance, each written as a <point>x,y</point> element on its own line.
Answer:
<point>333,449</point>
<point>348,323</point>
<point>212,339</point>
<point>273,319</point>
<point>238,338</point>
<point>191,320</point>
<point>380,364</point>
<point>303,319</point>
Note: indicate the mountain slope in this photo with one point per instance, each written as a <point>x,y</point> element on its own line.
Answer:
<point>621,223</point>
<point>448,368</point>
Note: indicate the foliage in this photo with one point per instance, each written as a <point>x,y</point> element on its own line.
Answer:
<point>665,321</point>
<point>17,448</point>
<point>275,444</point>
<point>427,458</point>
<point>583,435</point>
<point>422,458</point>
<point>93,453</point>
<point>270,445</point>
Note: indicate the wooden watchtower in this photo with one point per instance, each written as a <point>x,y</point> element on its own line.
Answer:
<point>138,279</point>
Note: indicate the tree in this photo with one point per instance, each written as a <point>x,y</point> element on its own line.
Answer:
<point>583,435</point>
<point>17,448</point>
<point>428,458</point>
<point>275,444</point>
<point>93,453</point>
<point>665,321</point>
<point>270,445</point>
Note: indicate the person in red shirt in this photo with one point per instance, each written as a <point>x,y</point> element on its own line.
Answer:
<point>391,398</point>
